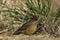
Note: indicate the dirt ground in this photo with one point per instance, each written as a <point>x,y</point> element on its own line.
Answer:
<point>27,37</point>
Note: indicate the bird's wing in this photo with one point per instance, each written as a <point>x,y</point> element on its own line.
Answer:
<point>21,29</point>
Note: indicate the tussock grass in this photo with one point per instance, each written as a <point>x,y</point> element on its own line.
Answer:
<point>17,15</point>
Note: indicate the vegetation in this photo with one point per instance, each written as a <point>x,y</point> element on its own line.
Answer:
<point>16,14</point>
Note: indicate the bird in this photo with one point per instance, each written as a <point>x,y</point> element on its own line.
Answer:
<point>28,28</point>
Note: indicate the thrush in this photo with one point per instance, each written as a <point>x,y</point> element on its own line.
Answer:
<point>28,28</point>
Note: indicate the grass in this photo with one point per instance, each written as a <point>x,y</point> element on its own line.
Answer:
<point>16,15</point>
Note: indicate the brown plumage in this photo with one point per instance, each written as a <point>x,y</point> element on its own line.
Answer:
<point>28,28</point>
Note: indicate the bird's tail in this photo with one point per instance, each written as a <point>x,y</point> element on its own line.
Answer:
<point>17,32</point>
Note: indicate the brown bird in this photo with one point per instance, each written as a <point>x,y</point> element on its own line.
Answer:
<point>28,28</point>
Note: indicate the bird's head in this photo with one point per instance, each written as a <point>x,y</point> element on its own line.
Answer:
<point>34,18</point>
